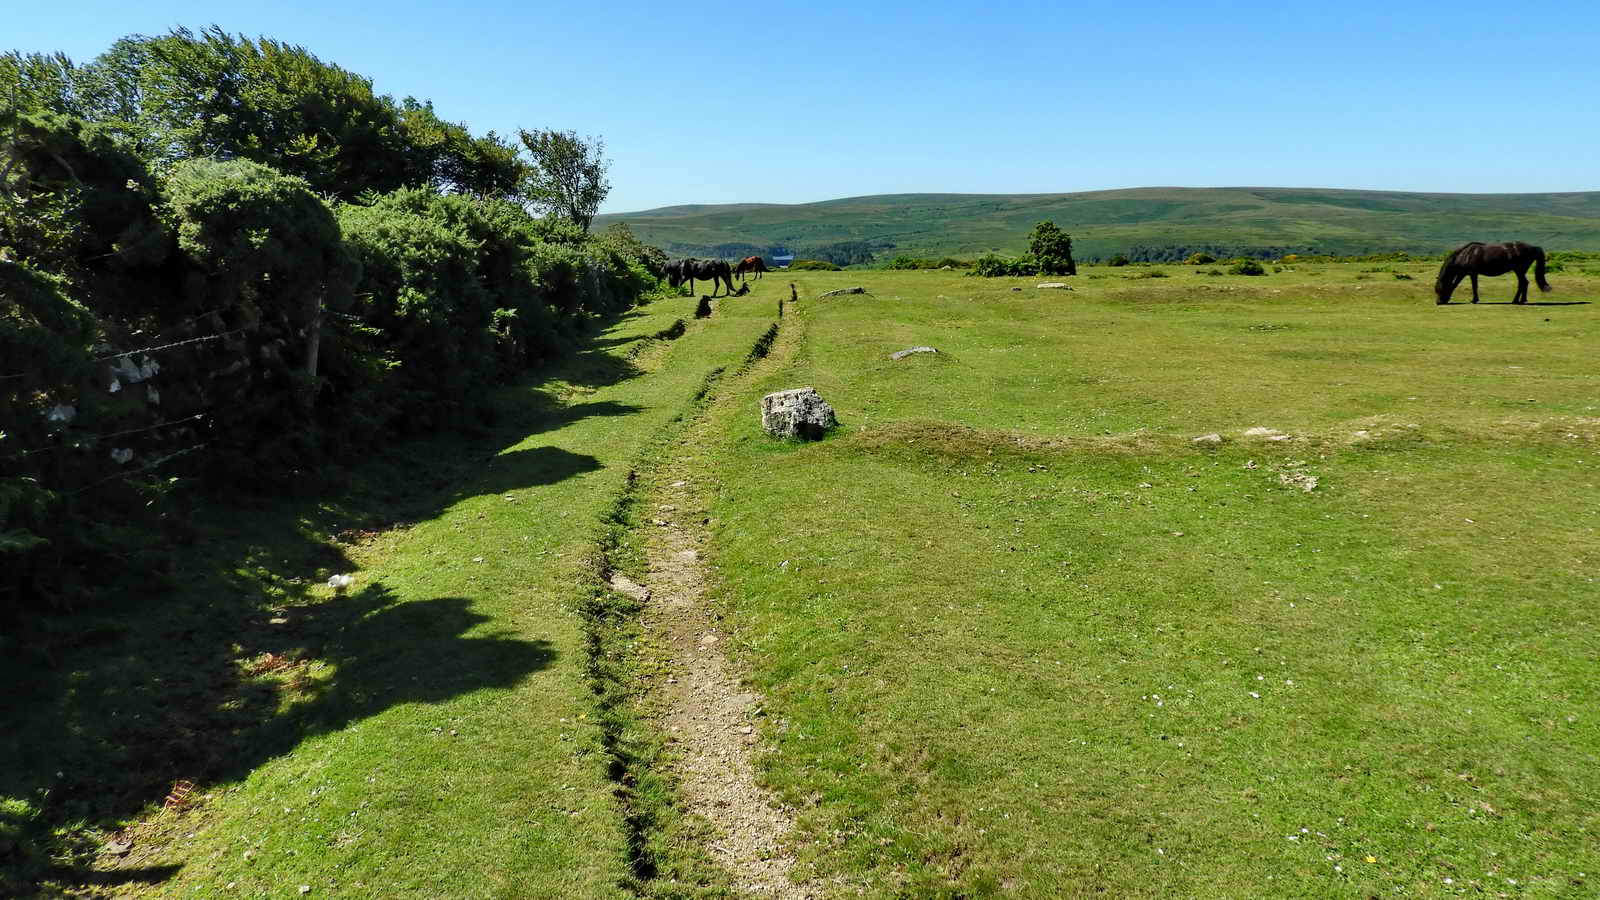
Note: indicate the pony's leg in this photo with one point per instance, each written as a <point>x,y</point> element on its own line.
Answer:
<point>1522,287</point>
<point>1474,287</point>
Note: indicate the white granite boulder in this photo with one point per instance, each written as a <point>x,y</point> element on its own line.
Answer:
<point>798,413</point>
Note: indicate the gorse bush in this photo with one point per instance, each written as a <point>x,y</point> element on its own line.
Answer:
<point>263,258</point>
<point>814,265</point>
<point>1118,260</point>
<point>224,262</point>
<point>1199,259</point>
<point>619,239</point>
<point>1246,267</point>
<point>991,265</point>
<point>916,262</point>
<point>1050,253</point>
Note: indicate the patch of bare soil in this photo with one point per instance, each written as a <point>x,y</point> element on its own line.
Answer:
<point>709,717</point>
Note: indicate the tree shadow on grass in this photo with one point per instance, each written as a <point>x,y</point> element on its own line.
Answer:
<point>105,710</point>
<point>200,706</point>
<point>600,368</point>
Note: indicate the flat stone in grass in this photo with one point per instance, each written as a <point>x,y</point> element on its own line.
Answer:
<point>902,354</point>
<point>622,584</point>
<point>1271,434</point>
<point>840,291</point>
<point>798,413</point>
<point>1055,285</point>
<point>1213,439</point>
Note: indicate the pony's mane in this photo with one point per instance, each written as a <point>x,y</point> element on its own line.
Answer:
<point>1447,269</point>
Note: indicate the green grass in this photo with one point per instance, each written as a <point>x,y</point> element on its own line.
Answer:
<point>1019,636</point>
<point>1103,223</point>
<point>435,731</point>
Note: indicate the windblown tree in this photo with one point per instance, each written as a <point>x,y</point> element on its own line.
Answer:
<point>1051,248</point>
<point>568,176</point>
<point>184,94</point>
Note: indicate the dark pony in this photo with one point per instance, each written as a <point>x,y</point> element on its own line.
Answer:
<point>1478,258</point>
<point>750,264</point>
<point>689,268</point>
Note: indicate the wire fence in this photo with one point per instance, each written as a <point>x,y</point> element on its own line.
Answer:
<point>105,437</point>
<point>139,471</point>
<point>157,349</point>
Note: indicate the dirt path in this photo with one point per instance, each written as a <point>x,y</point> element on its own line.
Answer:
<point>708,716</point>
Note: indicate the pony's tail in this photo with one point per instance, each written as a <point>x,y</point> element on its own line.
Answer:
<point>1446,282</point>
<point>1538,272</point>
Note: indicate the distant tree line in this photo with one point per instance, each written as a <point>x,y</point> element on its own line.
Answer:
<point>1145,253</point>
<point>840,253</point>
<point>224,261</point>
<point>845,253</point>
<point>733,250</point>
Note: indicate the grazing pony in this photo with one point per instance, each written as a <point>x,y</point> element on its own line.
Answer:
<point>690,268</point>
<point>750,264</point>
<point>1478,258</point>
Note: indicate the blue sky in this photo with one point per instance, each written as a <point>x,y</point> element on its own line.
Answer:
<point>723,103</point>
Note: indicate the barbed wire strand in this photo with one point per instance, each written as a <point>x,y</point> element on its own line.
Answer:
<point>167,458</point>
<point>204,337</point>
<point>106,437</point>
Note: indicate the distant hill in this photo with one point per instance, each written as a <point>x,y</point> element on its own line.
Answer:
<point>1144,223</point>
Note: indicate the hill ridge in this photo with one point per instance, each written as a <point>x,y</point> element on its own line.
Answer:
<point>1143,222</point>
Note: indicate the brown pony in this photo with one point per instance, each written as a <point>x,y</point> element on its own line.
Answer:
<point>750,264</point>
<point>1478,258</point>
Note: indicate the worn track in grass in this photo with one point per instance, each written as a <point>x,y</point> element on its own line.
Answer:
<point>710,719</point>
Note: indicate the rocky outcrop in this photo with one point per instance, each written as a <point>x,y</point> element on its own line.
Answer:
<point>798,413</point>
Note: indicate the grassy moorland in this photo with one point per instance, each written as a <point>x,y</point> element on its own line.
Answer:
<point>433,732</point>
<point>1020,636</point>
<point>1340,222</point>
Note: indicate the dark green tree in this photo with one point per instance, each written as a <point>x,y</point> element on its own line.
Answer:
<point>1051,248</point>
<point>568,175</point>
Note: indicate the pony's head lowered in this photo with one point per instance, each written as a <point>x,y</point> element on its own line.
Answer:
<point>1450,275</point>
